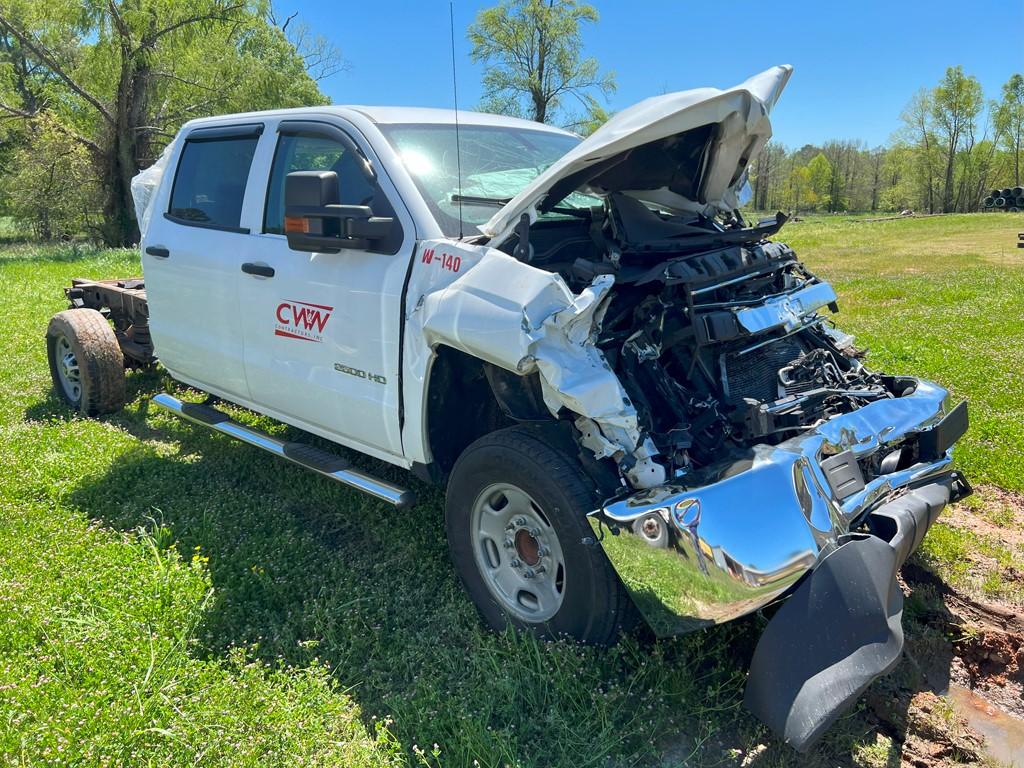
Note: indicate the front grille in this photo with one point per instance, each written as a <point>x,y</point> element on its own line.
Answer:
<point>755,374</point>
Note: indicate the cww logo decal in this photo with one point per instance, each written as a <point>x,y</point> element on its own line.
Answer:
<point>301,320</point>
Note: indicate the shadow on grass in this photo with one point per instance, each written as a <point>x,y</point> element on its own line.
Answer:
<point>137,384</point>
<point>304,569</point>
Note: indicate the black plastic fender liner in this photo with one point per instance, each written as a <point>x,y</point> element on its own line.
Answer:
<point>842,626</point>
<point>839,631</point>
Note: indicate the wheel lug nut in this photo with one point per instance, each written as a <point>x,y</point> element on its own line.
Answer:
<point>516,562</point>
<point>509,544</point>
<point>535,532</point>
<point>539,569</point>
<point>528,573</point>
<point>542,551</point>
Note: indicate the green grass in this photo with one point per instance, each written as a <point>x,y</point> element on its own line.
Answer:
<point>941,298</point>
<point>170,597</point>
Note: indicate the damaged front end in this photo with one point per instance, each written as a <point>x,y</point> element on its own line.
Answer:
<point>793,470</point>
<point>757,456</point>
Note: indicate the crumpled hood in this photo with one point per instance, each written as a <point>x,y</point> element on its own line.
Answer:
<point>686,151</point>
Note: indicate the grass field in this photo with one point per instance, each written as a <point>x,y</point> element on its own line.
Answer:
<point>169,597</point>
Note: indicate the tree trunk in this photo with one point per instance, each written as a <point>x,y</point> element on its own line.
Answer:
<point>126,145</point>
<point>540,103</point>
<point>1016,159</point>
<point>947,186</point>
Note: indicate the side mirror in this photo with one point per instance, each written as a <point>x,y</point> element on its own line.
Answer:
<point>315,221</point>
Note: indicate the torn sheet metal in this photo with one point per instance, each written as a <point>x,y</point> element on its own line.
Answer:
<point>525,320</point>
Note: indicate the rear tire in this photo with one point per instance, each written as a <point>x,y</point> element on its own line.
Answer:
<point>86,362</point>
<point>521,543</point>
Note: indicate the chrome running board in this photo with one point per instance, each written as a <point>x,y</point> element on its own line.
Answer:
<point>308,456</point>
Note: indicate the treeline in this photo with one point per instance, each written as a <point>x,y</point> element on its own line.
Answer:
<point>91,91</point>
<point>952,148</point>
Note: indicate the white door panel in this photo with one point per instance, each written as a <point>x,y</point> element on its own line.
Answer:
<point>193,303</point>
<point>191,254</point>
<point>321,339</point>
<point>321,335</point>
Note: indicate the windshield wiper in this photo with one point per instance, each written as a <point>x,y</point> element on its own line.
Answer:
<point>493,202</point>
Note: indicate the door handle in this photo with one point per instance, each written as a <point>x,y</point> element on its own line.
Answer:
<point>158,250</point>
<point>257,269</point>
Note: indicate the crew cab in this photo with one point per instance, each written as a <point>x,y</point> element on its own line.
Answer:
<point>636,400</point>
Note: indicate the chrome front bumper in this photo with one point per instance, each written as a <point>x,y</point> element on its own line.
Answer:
<point>692,556</point>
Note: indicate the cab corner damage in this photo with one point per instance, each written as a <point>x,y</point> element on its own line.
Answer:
<point>527,320</point>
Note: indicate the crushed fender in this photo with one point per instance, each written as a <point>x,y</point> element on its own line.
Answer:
<point>525,319</point>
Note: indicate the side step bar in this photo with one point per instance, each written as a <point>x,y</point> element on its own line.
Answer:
<point>308,456</point>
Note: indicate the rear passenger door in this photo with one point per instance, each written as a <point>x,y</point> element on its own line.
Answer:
<point>191,254</point>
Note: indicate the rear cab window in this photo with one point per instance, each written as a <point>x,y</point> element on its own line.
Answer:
<point>209,182</point>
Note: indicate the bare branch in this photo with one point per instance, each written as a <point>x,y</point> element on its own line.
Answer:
<point>185,81</point>
<point>92,146</point>
<point>320,57</point>
<point>48,59</point>
<point>119,22</point>
<point>223,14</point>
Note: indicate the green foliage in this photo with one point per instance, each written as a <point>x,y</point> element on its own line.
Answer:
<point>122,77</point>
<point>1008,116</point>
<point>593,117</point>
<point>945,157</point>
<point>819,179</point>
<point>956,104</point>
<point>533,56</point>
<point>51,188</point>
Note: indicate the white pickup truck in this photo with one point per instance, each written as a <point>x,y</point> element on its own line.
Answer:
<point>634,398</point>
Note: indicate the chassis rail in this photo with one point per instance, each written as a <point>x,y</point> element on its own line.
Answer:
<point>123,302</point>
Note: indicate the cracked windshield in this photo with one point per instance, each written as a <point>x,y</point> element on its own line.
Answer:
<point>497,162</point>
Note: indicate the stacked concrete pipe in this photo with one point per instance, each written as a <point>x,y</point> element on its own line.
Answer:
<point>1008,199</point>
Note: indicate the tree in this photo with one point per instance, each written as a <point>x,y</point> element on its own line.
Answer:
<point>798,188</point>
<point>590,121</point>
<point>956,103</point>
<point>1008,116</point>
<point>819,180</point>
<point>51,185</point>
<point>918,127</point>
<point>533,56</point>
<point>876,164</point>
<point>769,176</point>
<point>119,77</point>
<point>320,57</point>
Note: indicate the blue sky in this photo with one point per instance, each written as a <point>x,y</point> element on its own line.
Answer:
<point>857,64</point>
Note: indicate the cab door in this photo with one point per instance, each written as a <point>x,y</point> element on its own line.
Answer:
<point>322,329</point>
<point>190,254</point>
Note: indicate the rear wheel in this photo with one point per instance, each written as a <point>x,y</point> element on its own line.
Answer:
<point>516,520</point>
<point>86,362</point>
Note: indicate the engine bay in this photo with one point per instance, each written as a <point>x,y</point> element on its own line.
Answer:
<point>716,333</point>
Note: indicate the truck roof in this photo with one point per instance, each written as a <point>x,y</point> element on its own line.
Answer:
<point>391,115</point>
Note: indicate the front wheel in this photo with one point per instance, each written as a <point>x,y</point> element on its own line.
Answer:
<point>520,541</point>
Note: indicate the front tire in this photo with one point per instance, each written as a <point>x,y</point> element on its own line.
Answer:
<point>515,515</point>
<point>86,362</point>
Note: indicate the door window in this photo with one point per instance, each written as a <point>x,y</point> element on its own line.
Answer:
<point>319,153</point>
<point>209,184</point>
